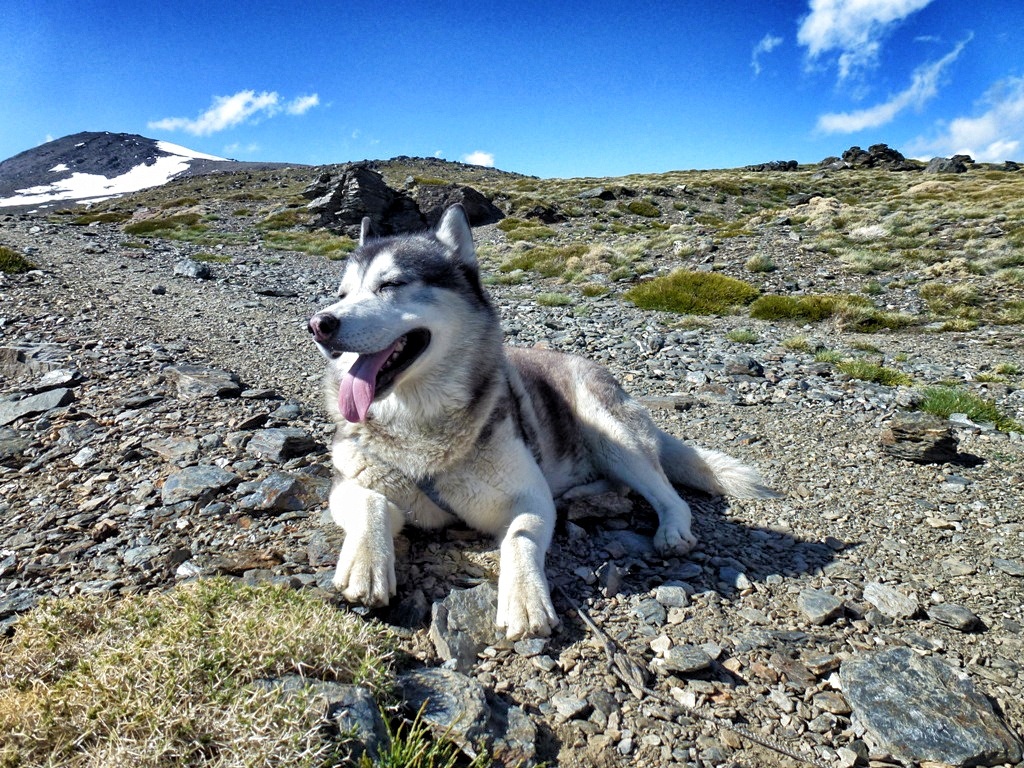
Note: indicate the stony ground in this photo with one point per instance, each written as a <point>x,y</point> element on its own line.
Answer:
<point>751,628</point>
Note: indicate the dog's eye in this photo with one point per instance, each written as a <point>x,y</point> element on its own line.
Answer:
<point>391,285</point>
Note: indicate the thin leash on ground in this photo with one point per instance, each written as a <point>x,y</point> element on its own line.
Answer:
<point>634,675</point>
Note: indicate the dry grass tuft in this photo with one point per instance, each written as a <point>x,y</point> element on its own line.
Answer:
<point>174,679</point>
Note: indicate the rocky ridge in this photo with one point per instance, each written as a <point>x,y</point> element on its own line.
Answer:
<point>159,427</point>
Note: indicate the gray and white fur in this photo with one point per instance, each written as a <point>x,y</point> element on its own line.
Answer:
<point>437,419</point>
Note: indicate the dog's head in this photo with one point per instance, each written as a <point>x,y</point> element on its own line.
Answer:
<point>407,305</point>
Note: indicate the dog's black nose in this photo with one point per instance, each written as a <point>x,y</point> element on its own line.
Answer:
<point>323,326</point>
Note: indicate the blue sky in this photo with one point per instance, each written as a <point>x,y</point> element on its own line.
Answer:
<point>554,89</point>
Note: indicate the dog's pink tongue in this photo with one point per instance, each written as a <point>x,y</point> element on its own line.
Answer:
<point>355,395</point>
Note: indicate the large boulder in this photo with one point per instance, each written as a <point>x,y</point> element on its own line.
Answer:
<point>954,164</point>
<point>358,192</point>
<point>433,199</point>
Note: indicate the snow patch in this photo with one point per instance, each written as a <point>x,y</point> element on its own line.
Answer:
<point>177,149</point>
<point>59,168</point>
<point>92,185</point>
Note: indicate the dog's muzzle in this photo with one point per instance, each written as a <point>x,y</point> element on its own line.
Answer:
<point>323,326</point>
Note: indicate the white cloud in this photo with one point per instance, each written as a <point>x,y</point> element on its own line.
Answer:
<point>229,111</point>
<point>995,135</point>
<point>923,86</point>
<point>767,44</point>
<point>479,158</point>
<point>853,28</point>
<point>302,104</point>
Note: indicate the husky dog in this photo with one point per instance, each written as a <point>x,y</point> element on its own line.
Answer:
<point>438,420</point>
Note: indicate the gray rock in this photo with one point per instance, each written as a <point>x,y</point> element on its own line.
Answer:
<point>734,577</point>
<point>946,165</point>
<point>453,704</point>
<point>514,733</point>
<point>201,484</point>
<point>819,607</point>
<point>462,624</point>
<point>13,445</point>
<point>672,595</point>
<point>956,616</point>
<point>60,377</point>
<point>194,270</point>
<point>890,602</point>
<point>35,404</point>
<point>920,437</point>
<point>361,192</point>
<point>350,708</point>
<point>283,492</point>
<point>651,612</point>
<point>684,659</point>
<point>1010,567</point>
<point>174,449</point>
<point>281,443</point>
<point>17,601</point>
<point>570,707</point>
<point>919,708</point>
<point>138,557</point>
<point>195,381</point>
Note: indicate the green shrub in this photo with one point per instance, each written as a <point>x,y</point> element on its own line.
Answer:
<point>319,242</point>
<point>944,401</point>
<point>553,299</point>
<point>180,202</point>
<point>742,336</point>
<point>811,308</point>
<point>549,261</point>
<point>104,217</point>
<point>760,262</point>
<point>511,222</point>
<point>643,208</point>
<point>693,293</point>
<point>530,232</point>
<point>212,258</point>
<point>592,290</point>
<point>13,263</point>
<point>161,225</point>
<point>868,371</point>
<point>285,219</point>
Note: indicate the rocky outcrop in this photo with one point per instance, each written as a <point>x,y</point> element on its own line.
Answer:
<point>875,156</point>
<point>954,164</point>
<point>773,165</point>
<point>341,202</point>
<point>433,199</point>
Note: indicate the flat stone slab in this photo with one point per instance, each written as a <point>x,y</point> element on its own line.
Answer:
<point>921,709</point>
<point>890,601</point>
<point>195,382</point>
<point>199,483</point>
<point>35,404</point>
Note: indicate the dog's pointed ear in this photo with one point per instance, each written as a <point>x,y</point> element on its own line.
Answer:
<point>453,231</point>
<point>365,230</point>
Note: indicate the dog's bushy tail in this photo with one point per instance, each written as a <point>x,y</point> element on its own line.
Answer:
<point>710,471</point>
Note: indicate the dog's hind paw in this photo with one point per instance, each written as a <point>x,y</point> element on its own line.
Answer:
<point>365,579</point>
<point>672,539</point>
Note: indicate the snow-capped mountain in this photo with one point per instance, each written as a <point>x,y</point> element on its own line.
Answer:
<point>92,166</point>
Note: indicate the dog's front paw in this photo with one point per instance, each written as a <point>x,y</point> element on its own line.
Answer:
<point>364,575</point>
<point>525,609</point>
<point>674,538</point>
